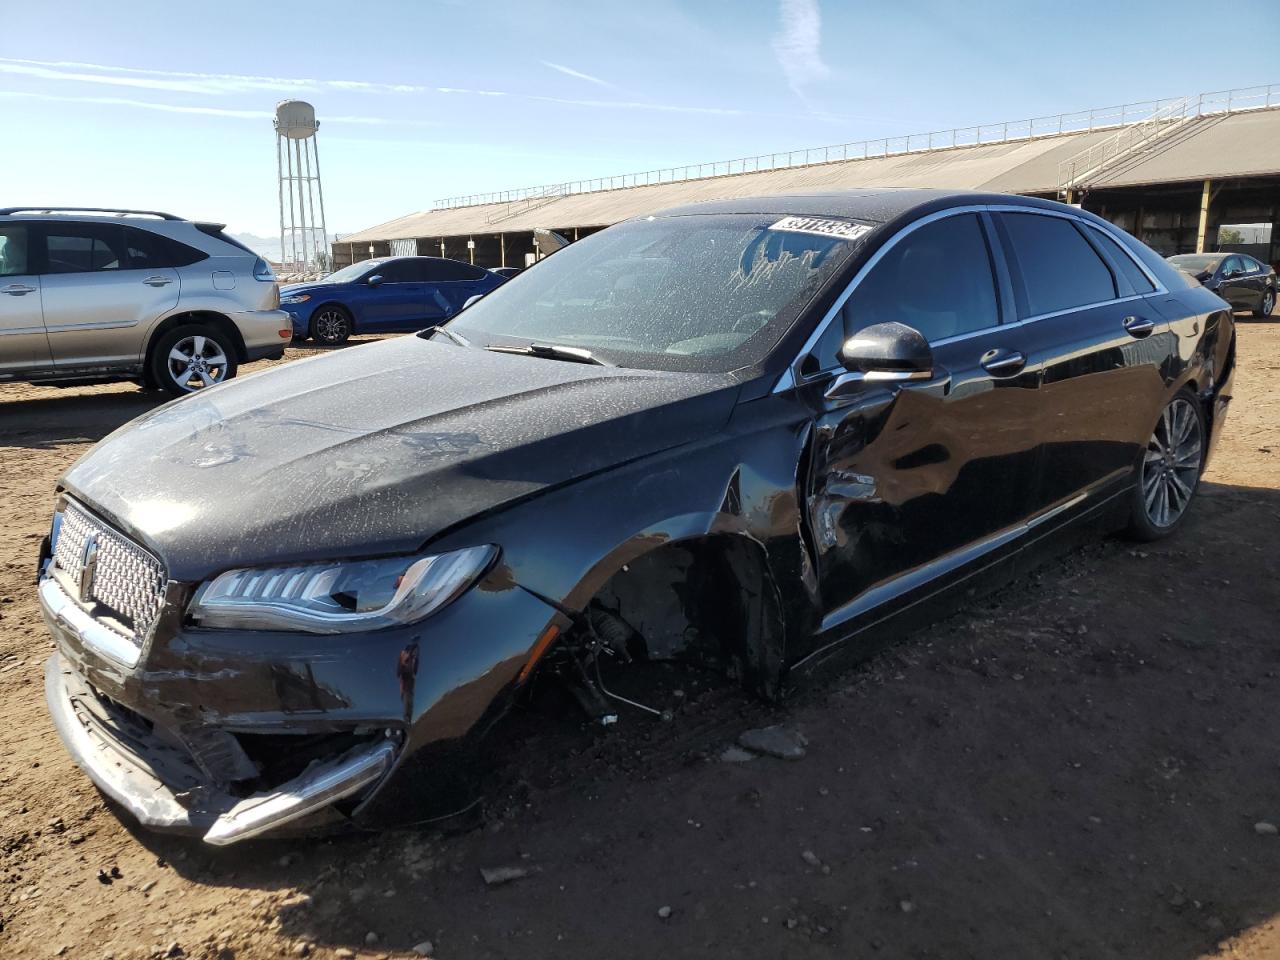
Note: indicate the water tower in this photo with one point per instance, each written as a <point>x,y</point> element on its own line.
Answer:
<point>304,244</point>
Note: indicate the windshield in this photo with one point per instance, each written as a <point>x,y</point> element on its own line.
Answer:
<point>1196,262</point>
<point>353,272</point>
<point>709,293</point>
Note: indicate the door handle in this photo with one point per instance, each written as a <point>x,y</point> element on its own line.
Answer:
<point>1003,363</point>
<point>17,289</point>
<point>156,281</point>
<point>1138,326</point>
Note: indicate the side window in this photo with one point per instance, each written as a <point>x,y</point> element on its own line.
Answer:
<point>1123,262</point>
<point>398,271</point>
<point>1250,265</point>
<point>1231,265</point>
<point>150,251</point>
<point>13,250</point>
<point>1057,268</point>
<point>937,279</point>
<point>439,271</point>
<point>84,247</point>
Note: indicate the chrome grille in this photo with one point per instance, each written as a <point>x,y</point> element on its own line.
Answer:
<point>128,580</point>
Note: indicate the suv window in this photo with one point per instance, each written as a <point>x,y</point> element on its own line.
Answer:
<point>13,250</point>
<point>1056,269</point>
<point>84,247</point>
<point>441,270</point>
<point>1123,262</point>
<point>937,279</point>
<point>149,251</point>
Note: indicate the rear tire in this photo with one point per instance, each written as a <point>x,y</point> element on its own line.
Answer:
<point>331,325</point>
<point>191,357</point>
<point>1168,472</point>
<point>1268,304</point>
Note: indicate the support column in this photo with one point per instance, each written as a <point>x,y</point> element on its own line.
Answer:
<point>502,245</point>
<point>1204,217</point>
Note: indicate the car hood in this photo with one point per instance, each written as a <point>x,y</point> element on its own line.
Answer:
<point>376,449</point>
<point>293,289</point>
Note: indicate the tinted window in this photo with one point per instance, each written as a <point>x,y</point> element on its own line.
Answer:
<point>84,248</point>
<point>13,250</point>
<point>1249,264</point>
<point>399,271</point>
<point>1231,265</point>
<point>1123,262</point>
<point>1059,270</point>
<point>149,250</point>
<point>441,270</point>
<point>937,279</point>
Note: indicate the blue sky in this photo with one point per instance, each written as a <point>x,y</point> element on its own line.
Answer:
<point>168,105</point>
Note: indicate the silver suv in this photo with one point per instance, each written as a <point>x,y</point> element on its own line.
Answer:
<point>93,294</point>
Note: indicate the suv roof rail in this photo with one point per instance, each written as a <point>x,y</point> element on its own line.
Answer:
<point>7,211</point>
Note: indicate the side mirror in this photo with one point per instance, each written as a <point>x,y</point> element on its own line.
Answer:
<point>472,299</point>
<point>375,280</point>
<point>882,353</point>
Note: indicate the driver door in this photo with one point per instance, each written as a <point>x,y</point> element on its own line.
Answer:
<point>911,482</point>
<point>24,346</point>
<point>398,303</point>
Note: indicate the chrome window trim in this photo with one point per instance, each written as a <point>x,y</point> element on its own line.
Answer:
<point>791,377</point>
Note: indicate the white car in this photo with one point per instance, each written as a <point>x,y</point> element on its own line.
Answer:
<point>93,294</point>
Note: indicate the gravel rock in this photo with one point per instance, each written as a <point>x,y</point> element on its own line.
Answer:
<point>664,912</point>
<point>811,858</point>
<point>342,953</point>
<point>371,939</point>
<point>1265,829</point>
<point>774,741</point>
<point>424,949</point>
<point>493,876</point>
<point>735,754</point>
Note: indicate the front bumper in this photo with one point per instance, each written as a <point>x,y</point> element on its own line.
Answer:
<point>196,733</point>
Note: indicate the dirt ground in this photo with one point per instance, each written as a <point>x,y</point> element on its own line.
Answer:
<point>1073,768</point>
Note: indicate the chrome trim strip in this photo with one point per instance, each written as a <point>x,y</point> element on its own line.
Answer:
<point>792,377</point>
<point>906,582</point>
<point>310,791</point>
<point>62,610</point>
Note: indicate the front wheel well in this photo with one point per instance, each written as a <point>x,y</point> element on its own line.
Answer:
<point>710,600</point>
<point>206,317</point>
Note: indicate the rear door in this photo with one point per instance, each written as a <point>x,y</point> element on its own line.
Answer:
<point>399,302</point>
<point>1253,280</point>
<point>23,345</point>
<point>452,284</point>
<point>910,483</point>
<point>98,305</point>
<point>1234,286</point>
<point>1100,344</point>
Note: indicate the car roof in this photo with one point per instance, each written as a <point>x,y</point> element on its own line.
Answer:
<point>873,205</point>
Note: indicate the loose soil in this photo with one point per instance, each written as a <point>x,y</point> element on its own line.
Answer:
<point>1072,768</point>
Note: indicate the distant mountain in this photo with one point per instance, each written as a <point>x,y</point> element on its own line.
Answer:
<point>268,247</point>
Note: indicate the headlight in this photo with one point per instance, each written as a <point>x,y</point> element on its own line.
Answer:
<point>296,298</point>
<point>338,597</point>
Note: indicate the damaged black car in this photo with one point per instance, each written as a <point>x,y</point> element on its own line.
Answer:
<point>764,433</point>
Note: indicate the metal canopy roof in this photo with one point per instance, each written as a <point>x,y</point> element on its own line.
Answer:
<point>1211,146</point>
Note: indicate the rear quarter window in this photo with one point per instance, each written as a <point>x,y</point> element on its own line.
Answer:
<point>149,250</point>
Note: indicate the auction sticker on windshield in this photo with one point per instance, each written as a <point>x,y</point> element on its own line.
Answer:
<point>824,226</point>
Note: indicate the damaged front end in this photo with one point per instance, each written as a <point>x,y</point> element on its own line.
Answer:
<point>240,731</point>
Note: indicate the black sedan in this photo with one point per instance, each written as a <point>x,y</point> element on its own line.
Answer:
<point>762,434</point>
<point>1237,278</point>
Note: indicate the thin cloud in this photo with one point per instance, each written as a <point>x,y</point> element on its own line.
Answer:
<point>178,81</point>
<point>228,112</point>
<point>798,44</point>
<point>578,74</point>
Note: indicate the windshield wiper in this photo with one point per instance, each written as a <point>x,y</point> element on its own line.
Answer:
<point>439,328</point>
<point>551,351</point>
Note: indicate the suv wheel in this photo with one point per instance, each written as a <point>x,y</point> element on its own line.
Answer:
<point>190,358</point>
<point>331,325</point>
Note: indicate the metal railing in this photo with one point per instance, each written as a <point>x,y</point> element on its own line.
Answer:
<point>1099,118</point>
<point>1076,170</point>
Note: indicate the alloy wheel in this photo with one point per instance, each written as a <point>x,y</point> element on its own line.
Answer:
<point>1171,467</point>
<point>197,362</point>
<point>1268,303</point>
<point>331,326</point>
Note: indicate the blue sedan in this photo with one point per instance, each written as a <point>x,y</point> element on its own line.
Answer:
<point>389,295</point>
